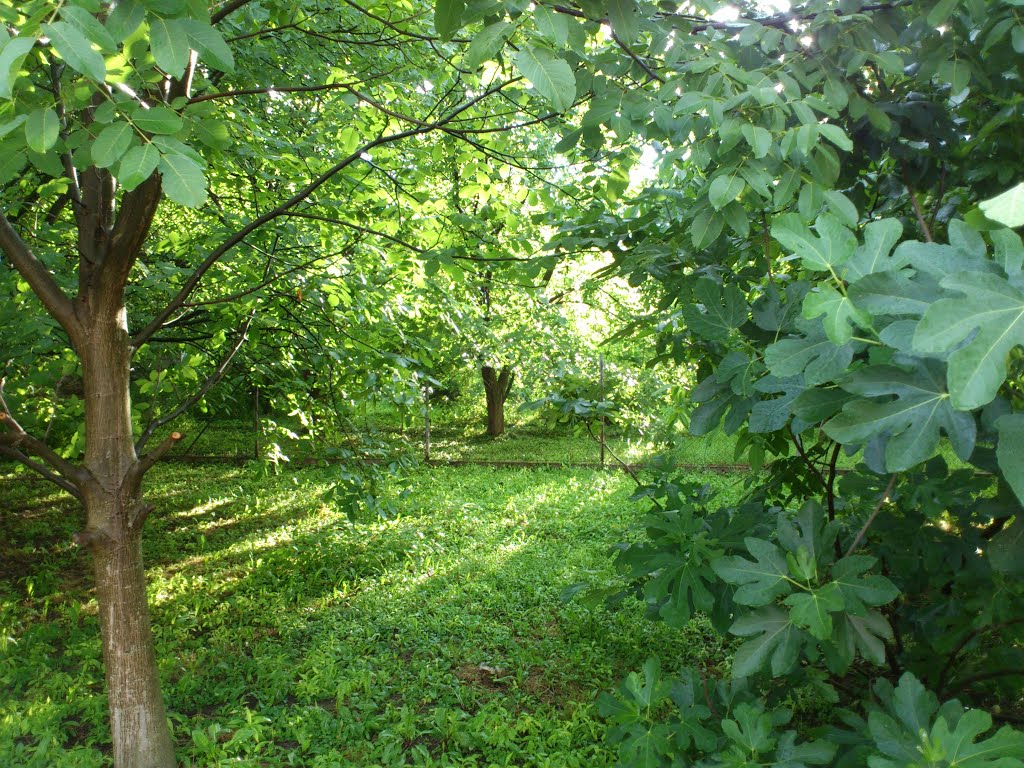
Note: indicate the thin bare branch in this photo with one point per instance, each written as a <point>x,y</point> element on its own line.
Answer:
<point>39,279</point>
<point>142,336</point>
<point>20,440</point>
<point>200,393</point>
<point>41,469</point>
<point>872,516</point>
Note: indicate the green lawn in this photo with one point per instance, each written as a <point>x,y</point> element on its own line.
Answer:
<point>289,635</point>
<point>458,436</point>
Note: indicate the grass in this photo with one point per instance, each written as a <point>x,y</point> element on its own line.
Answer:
<point>459,435</point>
<point>289,635</point>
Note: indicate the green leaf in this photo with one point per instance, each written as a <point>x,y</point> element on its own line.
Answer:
<point>72,46</point>
<point>956,72</point>
<point>42,130</point>
<point>895,293</point>
<point>759,139</point>
<point>813,355</point>
<point>724,189</point>
<point>209,44</point>
<point>724,310</point>
<point>840,314</point>
<point>1009,250</point>
<point>809,533</point>
<point>1010,452</point>
<point>549,74</point>
<point>89,26</point>
<point>487,43</point>
<point>448,17</point>
<point>941,11</point>
<point>1007,208</point>
<point>552,24</point>
<point>860,591</point>
<point>111,143</point>
<point>12,125</point>
<point>11,164</point>
<point>772,415</point>
<point>183,179</point>
<point>836,135</point>
<point>1003,750</point>
<point>866,633</point>
<point>760,580</point>
<point>624,16</point>
<point>137,165</point>
<point>995,310</point>
<point>212,133</point>
<point>707,226</point>
<point>874,255</point>
<point>813,609</point>
<point>738,220</point>
<point>833,246</point>
<point>776,643</point>
<point>751,730</point>
<point>12,54</point>
<point>1005,551</point>
<point>169,43</point>
<point>842,207</point>
<point>125,19</point>
<point>157,120</point>
<point>911,419</point>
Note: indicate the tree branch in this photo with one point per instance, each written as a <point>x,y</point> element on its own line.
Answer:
<point>872,516</point>
<point>42,470</point>
<point>269,89</point>
<point>200,393</point>
<point>226,10</point>
<point>39,279</point>
<point>19,440</point>
<point>917,206</point>
<point>146,462</point>
<point>194,279</point>
<point>640,62</point>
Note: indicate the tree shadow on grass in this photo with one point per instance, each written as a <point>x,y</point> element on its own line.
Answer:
<point>410,632</point>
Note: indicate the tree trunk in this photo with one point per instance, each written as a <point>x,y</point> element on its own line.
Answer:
<point>115,513</point>
<point>138,722</point>
<point>496,389</point>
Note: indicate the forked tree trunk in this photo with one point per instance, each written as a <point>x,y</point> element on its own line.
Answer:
<point>496,389</point>
<point>115,512</point>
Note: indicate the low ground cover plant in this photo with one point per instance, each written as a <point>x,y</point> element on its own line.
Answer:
<point>290,635</point>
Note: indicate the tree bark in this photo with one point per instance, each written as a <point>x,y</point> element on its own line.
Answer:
<point>496,389</point>
<point>138,721</point>
<point>115,512</point>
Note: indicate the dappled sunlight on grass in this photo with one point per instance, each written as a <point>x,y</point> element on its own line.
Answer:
<point>438,633</point>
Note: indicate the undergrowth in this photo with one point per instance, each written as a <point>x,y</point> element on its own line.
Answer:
<point>289,635</point>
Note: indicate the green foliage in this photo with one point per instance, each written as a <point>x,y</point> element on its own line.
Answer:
<point>293,636</point>
<point>813,238</point>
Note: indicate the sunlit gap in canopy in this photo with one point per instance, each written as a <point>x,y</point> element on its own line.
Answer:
<point>732,13</point>
<point>646,168</point>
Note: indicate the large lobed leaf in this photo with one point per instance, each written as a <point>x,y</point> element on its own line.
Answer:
<point>990,318</point>
<point>915,409</point>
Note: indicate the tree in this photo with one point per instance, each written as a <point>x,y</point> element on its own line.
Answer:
<point>828,270</point>
<point>115,114</point>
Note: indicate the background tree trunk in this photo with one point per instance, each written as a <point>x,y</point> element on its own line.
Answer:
<point>496,389</point>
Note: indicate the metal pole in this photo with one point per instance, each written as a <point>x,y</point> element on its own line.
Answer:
<point>426,424</point>
<point>601,358</point>
<point>256,425</point>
